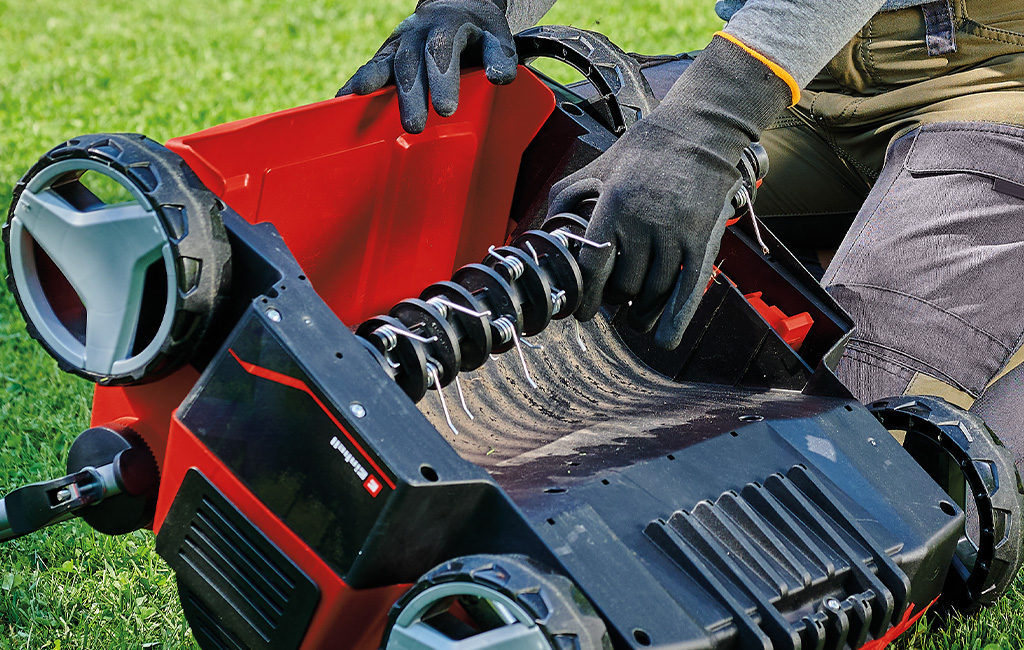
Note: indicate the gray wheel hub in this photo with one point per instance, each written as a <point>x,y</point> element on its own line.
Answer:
<point>104,251</point>
<point>411,632</point>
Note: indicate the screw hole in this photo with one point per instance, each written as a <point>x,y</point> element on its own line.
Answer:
<point>751,418</point>
<point>572,109</point>
<point>947,508</point>
<point>551,522</point>
<point>339,355</point>
<point>734,434</point>
<point>642,637</point>
<point>670,457</point>
<point>605,481</point>
<point>428,473</point>
<point>302,277</point>
<point>849,408</point>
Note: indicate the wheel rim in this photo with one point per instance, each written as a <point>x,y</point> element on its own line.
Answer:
<point>65,240</point>
<point>413,629</point>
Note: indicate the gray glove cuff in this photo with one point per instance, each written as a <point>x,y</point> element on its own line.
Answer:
<point>725,87</point>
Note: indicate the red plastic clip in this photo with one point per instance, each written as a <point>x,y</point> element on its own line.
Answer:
<point>792,329</point>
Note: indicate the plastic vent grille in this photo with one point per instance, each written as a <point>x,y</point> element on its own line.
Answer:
<point>205,628</point>
<point>789,563</point>
<point>238,589</point>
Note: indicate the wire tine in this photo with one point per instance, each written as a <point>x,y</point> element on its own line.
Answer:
<point>462,398</point>
<point>757,230</point>
<point>586,241</point>
<point>579,335</point>
<point>444,404</point>
<point>490,251</point>
<point>533,252</point>
<point>532,346</point>
<point>522,359</point>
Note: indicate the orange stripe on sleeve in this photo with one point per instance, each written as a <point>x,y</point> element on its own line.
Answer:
<point>779,71</point>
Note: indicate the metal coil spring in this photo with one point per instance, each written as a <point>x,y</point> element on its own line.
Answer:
<point>506,329</point>
<point>515,266</point>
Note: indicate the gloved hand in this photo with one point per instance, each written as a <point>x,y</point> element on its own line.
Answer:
<point>425,50</point>
<point>663,189</point>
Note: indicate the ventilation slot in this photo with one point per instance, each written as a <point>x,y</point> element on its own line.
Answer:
<point>788,562</point>
<point>236,585</point>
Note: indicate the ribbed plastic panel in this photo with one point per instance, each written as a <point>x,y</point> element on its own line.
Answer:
<point>206,629</point>
<point>238,589</point>
<point>791,565</point>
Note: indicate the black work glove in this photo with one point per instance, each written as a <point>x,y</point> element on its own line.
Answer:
<point>663,190</point>
<point>425,50</point>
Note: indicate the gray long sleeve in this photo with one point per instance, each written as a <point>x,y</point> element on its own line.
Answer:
<point>800,35</point>
<point>526,13</point>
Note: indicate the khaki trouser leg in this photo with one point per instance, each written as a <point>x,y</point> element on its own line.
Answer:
<point>933,266</point>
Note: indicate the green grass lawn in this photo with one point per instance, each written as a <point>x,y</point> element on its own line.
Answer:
<point>169,69</point>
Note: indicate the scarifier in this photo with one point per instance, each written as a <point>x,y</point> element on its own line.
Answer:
<point>586,491</point>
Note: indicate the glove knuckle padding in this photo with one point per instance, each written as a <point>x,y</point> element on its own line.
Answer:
<point>500,59</point>
<point>425,49</point>
<point>443,49</point>
<point>410,77</point>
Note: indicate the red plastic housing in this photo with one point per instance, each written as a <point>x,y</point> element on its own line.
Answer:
<point>373,215</point>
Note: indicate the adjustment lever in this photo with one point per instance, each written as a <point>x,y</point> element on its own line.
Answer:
<point>39,505</point>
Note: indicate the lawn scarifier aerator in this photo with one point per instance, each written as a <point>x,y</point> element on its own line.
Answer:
<point>586,491</point>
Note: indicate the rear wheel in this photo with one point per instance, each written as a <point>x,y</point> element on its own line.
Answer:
<point>117,257</point>
<point>964,456</point>
<point>506,602</point>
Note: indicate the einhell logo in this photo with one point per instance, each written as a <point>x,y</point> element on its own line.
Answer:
<point>370,483</point>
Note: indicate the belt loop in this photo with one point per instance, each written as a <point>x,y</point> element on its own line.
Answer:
<point>938,22</point>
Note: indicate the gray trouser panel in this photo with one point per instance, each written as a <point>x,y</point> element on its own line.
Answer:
<point>933,267</point>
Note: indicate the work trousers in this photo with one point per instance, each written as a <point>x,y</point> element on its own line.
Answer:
<point>906,157</point>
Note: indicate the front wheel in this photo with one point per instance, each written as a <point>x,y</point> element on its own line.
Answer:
<point>117,257</point>
<point>506,602</point>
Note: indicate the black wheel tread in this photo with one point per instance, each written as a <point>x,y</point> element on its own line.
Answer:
<point>190,214</point>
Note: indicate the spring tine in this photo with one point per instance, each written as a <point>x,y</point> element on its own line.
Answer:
<point>500,258</point>
<point>514,265</point>
<point>532,346</point>
<point>464,310</point>
<point>585,241</point>
<point>579,336</point>
<point>432,369</point>
<point>462,398</point>
<point>522,359</point>
<point>407,333</point>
